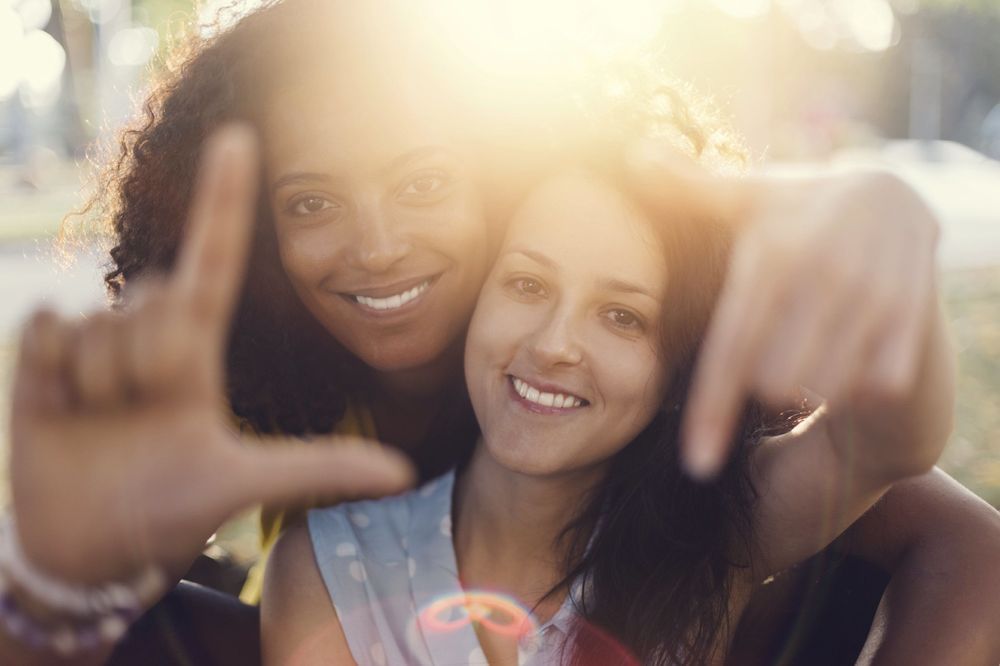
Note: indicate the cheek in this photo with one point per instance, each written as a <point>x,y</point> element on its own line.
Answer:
<point>487,338</point>
<point>637,380</point>
<point>306,254</point>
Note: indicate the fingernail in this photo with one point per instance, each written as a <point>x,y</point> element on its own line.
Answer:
<point>229,142</point>
<point>701,462</point>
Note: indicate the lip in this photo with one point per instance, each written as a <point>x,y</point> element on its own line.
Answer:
<point>544,387</point>
<point>391,289</point>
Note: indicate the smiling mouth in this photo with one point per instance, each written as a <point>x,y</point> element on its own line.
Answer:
<point>544,398</point>
<point>392,301</point>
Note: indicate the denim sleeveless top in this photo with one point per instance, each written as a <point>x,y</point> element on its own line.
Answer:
<point>389,566</point>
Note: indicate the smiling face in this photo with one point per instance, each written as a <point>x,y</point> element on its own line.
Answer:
<point>562,359</point>
<point>379,226</point>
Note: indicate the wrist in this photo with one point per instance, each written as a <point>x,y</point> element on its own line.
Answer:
<point>46,613</point>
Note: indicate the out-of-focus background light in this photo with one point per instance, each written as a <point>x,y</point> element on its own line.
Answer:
<point>744,9</point>
<point>908,85</point>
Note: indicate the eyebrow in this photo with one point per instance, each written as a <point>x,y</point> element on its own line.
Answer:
<point>299,177</point>
<point>607,284</point>
<point>537,257</point>
<point>415,155</point>
<point>624,287</point>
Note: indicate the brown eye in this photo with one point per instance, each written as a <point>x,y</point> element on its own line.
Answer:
<point>310,205</point>
<point>624,319</point>
<point>528,286</point>
<point>524,287</point>
<point>425,187</point>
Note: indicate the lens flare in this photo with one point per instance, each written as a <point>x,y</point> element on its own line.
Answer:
<point>497,613</point>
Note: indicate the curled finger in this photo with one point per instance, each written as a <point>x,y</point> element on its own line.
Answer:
<point>97,363</point>
<point>41,377</point>
<point>153,348</point>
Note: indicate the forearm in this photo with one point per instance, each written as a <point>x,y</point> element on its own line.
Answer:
<point>939,608</point>
<point>940,543</point>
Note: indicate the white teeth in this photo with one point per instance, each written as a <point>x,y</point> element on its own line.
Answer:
<point>395,301</point>
<point>531,394</point>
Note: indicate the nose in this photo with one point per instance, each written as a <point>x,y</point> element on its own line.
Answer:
<point>556,341</point>
<point>380,243</point>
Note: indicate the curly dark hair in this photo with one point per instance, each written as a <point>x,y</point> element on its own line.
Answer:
<point>285,372</point>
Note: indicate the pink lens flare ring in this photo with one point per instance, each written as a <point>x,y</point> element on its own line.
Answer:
<point>481,608</point>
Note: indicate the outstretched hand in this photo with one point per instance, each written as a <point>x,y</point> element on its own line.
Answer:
<point>830,288</point>
<point>122,451</point>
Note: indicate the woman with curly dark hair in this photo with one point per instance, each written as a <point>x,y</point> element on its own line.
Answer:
<point>367,245</point>
<point>370,239</point>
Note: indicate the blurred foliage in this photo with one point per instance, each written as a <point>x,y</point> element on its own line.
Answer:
<point>162,12</point>
<point>170,18</point>
<point>973,303</point>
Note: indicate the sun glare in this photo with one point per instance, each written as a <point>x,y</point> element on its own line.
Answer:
<point>507,37</point>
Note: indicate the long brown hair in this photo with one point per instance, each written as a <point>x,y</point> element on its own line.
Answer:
<point>653,552</point>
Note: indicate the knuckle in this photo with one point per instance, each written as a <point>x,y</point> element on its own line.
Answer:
<point>144,293</point>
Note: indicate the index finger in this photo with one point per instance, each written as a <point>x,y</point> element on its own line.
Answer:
<point>213,254</point>
<point>721,383</point>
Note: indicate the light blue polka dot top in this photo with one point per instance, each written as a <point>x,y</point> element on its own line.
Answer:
<point>390,568</point>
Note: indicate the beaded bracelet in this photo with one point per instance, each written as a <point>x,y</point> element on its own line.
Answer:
<point>101,614</point>
<point>64,639</point>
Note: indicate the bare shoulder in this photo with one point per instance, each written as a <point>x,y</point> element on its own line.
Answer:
<point>298,620</point>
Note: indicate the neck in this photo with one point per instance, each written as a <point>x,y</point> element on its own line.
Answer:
<point>405,402</point>
<point>425,381</point>
<point>507,525</point>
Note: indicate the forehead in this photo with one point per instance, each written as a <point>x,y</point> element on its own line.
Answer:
<point>353,127</point>
<point>360,86</point>
<point>591,228</point>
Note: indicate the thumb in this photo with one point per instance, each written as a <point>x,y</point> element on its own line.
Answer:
<point>674,183</point>
<point>288,470</point>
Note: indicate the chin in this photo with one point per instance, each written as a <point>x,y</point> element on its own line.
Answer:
<point>401,353</point>
<point>527,458</point>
